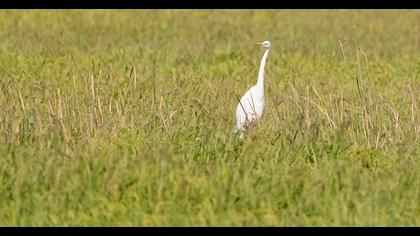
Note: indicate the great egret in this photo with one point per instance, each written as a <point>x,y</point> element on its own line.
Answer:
<point>251,105</point>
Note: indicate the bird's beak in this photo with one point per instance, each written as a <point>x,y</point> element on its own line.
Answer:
<point>259,44</point>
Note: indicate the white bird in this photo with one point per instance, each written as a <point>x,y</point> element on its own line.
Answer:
<point>251,105</point>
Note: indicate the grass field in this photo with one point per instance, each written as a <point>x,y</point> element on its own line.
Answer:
<point>126,118</point>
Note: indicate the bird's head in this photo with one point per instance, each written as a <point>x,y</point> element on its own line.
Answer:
<point>265,44</point>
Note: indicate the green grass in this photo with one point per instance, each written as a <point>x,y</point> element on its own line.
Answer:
<point>126,118</point>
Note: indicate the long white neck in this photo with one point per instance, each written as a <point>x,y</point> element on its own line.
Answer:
<point>260,82</point>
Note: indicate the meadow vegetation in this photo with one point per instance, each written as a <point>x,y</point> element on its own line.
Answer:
<point>126,118</point>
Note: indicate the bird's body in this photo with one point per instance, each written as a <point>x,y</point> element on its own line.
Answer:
<point>250,108</point>
<point>251,105</point>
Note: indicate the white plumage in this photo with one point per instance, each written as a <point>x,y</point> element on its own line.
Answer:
<point>251,106</point>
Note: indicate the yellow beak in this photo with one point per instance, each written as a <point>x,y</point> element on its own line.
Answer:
<point>259,44</point>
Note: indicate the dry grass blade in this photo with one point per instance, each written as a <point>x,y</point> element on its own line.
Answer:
<point>330,121</point>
